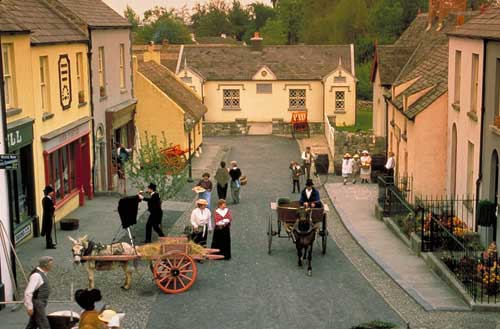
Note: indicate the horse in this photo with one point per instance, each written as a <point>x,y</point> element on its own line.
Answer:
<point>304,234</point>
<point>85,247</point>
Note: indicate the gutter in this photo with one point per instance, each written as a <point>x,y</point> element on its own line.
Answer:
<point>91,98</point>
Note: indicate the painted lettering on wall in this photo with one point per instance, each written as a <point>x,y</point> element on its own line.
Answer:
<point>14,138</point>
<point>65,81</point>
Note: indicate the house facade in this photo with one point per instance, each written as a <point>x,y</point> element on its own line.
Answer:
<point>264,84</point>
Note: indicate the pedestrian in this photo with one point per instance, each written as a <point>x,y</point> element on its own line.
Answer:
<point>309,198</point>
<point>111,319</point>
<point>222,178</point>
<point>296,174</point>
<point>389,168</point>
<point>48,216</point>
<point>201,220</point>
<point>235,174</point>
<point>207,186</point>
<point>155,212</point>
<point>308,159</point>
<point>37,293</point>
<point>347,164</point>
<point>356,163</point>
<point>86,299</point>
<point>222,232</point>
<point>366,167</point>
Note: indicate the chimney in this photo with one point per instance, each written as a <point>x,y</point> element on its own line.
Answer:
<point>441,9</point>
<point>152,54</point>
<point>256,42</point>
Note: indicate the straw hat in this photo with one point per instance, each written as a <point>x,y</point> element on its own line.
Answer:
<point>347,155</point>
<point>365,152</point>
<point>356,156</point>
<point>198,189</point>
<point>202,201</point>
<point>106,315</point>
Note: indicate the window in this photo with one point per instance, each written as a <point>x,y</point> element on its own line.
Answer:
<point>339,80</point>
<point>44,83</point>
<point>340,101</point>
<point>264,88</point>
<point>102,78</point>
<point>122,66</point>
<point>231,98</point>
<point>470,170</point>
<point>458,74</point>
<point>474,82</point>
<point>8,75</point>
<point>187,79</point>
<point>80,78</point>
<point>297,99</point>
<point>62,173</point>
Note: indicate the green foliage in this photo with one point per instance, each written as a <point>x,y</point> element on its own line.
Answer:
<point>375,325</point>
<point>239,20</point>
<point>291,15</point>
<point>363,122</point>
<point>364,87</point>
<point>171,28</point>
<point>149,165</point>
<point>132,17</point>
<point>211,19</point>
<point>274,32</point>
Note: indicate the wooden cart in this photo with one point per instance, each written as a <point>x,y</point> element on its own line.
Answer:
<point>299,124</point>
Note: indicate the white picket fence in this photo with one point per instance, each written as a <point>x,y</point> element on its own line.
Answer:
<point>330,136</point>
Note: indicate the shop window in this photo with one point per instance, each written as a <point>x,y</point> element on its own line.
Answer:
<point>80,78</point>
<point>8,75</point>
<point>44,83</point>
<point>122,66</point>
<point>22,186</point>
<point>102,76</point>
<point>297,99</point>
<point>62,171</point>
<point>231,99</point>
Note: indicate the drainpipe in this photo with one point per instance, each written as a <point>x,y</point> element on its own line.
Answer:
<point>483,110</point>
<point>91,99</point>
<point>386,125</point>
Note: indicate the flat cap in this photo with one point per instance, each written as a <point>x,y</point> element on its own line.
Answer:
<point>44,260</point>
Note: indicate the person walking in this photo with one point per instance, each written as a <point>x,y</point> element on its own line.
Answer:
<point>222,178</point>
<point>201,221</point>
<point>37,293</point>
<point>48,216</point>
<point>207,186</point>
<point>296,173</point>
<point>222,232</point>
<point>355,167</point>
<point>155,212</point>
<point>307,159</point>
<point>235,174</point>
<point>389,168</point>
<point>347,164</point>
<point>366,167</point>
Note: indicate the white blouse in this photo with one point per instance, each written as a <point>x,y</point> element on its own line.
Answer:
<point>201,217</point>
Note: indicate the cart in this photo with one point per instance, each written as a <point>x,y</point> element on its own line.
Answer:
<point>173,262</point>
<point>175,158</point>
<point>299,124</point>
<point>287,214</point>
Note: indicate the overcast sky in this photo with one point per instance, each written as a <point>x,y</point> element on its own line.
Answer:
<point>142,5</point>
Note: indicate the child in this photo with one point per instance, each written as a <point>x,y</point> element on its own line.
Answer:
<point>355,167</point>
<point>347,167</point>
<point>296,172</point>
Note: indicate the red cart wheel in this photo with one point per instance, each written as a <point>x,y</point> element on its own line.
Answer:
<point>175,273</point>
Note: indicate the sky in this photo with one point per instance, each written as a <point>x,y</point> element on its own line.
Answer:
<point>142,5</point>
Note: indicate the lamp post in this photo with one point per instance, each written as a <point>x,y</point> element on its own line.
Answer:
<point>188,125</point>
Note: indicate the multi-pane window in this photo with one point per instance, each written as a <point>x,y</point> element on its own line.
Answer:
<point>122,66</point>
<point>8,75</point>
<point>231,98</point>
<point>44,83</point>
<point>297,99</point>
<point>62,173</point>
<point>340,101</point>
<point>80,78</point>
<point>474,82</point>
<point>102,77</point>
<point>458,75</point>
<point>264,88</point>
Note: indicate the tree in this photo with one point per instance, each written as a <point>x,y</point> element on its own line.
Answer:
<point>239,20</point>
<point>171,28</point>
<point>291,14</point>
<point>386,18</point>
<point>260,14</point>
<point>132,17</point>
<point>211,19</point>
<point>274,32</point>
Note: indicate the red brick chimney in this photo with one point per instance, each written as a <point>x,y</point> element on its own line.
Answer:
<point>256,42</point>
<point>441,9</point>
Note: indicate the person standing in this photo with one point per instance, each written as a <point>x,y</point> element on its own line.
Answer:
<point>222,234</point>
<point>222,178</point>
<point>366,167</point>
<point>355,167</point>
<point>235,174</point>
<point>201,220</point>
<point>155,212</point>
<point>307,159</point>
<point>389,168</point>
<point>347,164</point>
<point>37,293</point>
<point>86,299</point>
<point>207,185</point>
<point>296,173</point>
<point>48,216</point>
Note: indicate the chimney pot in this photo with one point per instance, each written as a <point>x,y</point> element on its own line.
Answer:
<point>256,42</point>
<point>460,20</point>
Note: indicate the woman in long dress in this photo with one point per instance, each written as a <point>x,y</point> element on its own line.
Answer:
<point>201,220</point>
<point>366,167</point>
<point>222,233</point>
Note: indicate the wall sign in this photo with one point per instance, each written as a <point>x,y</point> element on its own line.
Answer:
<point>64,81</point>
<point>8,161</point>
<point>20,136</point>
<point>22,234</point>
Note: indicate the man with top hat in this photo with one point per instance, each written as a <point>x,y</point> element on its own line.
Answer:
<point>309,198</point>
<point>37,293</point>
<point>155,212</point>
<point>48,216</point>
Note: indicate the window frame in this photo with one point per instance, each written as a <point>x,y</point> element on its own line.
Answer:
<point>44,84</point>
<point>102,73</point>
<point>123,85</point>
<point>339,100</point>
<point>297,99</point>
<point>8,75</point>
<point>234,99</point>
<point>56,157</point>
<point>474,82</point>
<point>261,85</point>
<point>458,77</point>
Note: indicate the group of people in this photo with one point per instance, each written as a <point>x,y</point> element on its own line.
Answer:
<point>297,172</point>
<point>357,166</point>
<point>225,178</point>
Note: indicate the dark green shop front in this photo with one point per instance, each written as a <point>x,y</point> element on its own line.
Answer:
<point>22,181</point>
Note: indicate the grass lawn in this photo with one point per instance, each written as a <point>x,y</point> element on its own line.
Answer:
<point>363,122</point>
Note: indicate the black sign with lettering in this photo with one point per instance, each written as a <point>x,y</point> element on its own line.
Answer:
<point>8,161</point>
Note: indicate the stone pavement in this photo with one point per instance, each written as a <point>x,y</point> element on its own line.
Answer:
<point>355,205</point>
<point>318,145</point>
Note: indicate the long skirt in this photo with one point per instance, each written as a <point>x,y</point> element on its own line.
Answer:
<point>207,195</point>
<point>199,237</point>
<point>222,241</point>
<point>366,173</point>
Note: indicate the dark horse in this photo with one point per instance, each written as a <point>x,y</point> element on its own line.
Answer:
<point>304,234</point>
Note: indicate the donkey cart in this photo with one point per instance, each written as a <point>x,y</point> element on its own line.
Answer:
<point>288,214</point>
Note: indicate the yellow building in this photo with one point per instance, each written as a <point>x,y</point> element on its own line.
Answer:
<point>48,110</point>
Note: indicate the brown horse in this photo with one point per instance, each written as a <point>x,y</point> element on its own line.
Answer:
<point>304,234</point>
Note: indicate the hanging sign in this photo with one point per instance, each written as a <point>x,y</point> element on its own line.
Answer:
<point>8,161</point>
<point>64,81</point>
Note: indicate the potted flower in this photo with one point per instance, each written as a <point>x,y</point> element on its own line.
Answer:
<point>102,91</point>
<point>81,97</point>
<point>486,219</point>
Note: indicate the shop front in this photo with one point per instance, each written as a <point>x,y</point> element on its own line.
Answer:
<point>22,192</point>
<point>66,154</point>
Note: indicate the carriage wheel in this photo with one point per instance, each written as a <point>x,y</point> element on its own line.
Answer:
<point>324,235</point>
<point>175,273</point>
<point>269,234</point>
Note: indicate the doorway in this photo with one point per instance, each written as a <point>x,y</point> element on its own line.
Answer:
<point>453,173</point>
<point>494,182</point>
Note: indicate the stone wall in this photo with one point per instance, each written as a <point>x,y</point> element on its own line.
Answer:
<point>280,127</point>
<point>239,127</point>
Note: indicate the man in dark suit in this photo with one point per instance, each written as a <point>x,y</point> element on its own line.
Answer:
<point>48,216</point>
<point>155,212</point>
<point>310,196</point>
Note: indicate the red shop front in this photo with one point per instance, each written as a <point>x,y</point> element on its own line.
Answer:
<point>67,160</point>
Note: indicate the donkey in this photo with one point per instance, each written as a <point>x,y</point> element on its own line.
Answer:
<point>304,234</point>
<point>85,247</point>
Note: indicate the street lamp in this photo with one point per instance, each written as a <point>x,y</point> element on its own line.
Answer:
<point>188,125</point>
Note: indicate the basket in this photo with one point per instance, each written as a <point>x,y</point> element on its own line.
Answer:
<point>69,224</point>
<point>243,180</point>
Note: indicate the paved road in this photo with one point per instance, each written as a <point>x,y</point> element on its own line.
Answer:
<point>255,290</point>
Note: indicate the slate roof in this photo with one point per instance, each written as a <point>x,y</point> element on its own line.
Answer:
<point>217,41</point>
<point>96,13</point>
<point>46,24</point>
<point>483,26</point>
<point>167,82</point>
<point>300,62</point>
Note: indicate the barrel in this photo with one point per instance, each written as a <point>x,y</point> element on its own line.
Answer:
<point>322,163</point>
